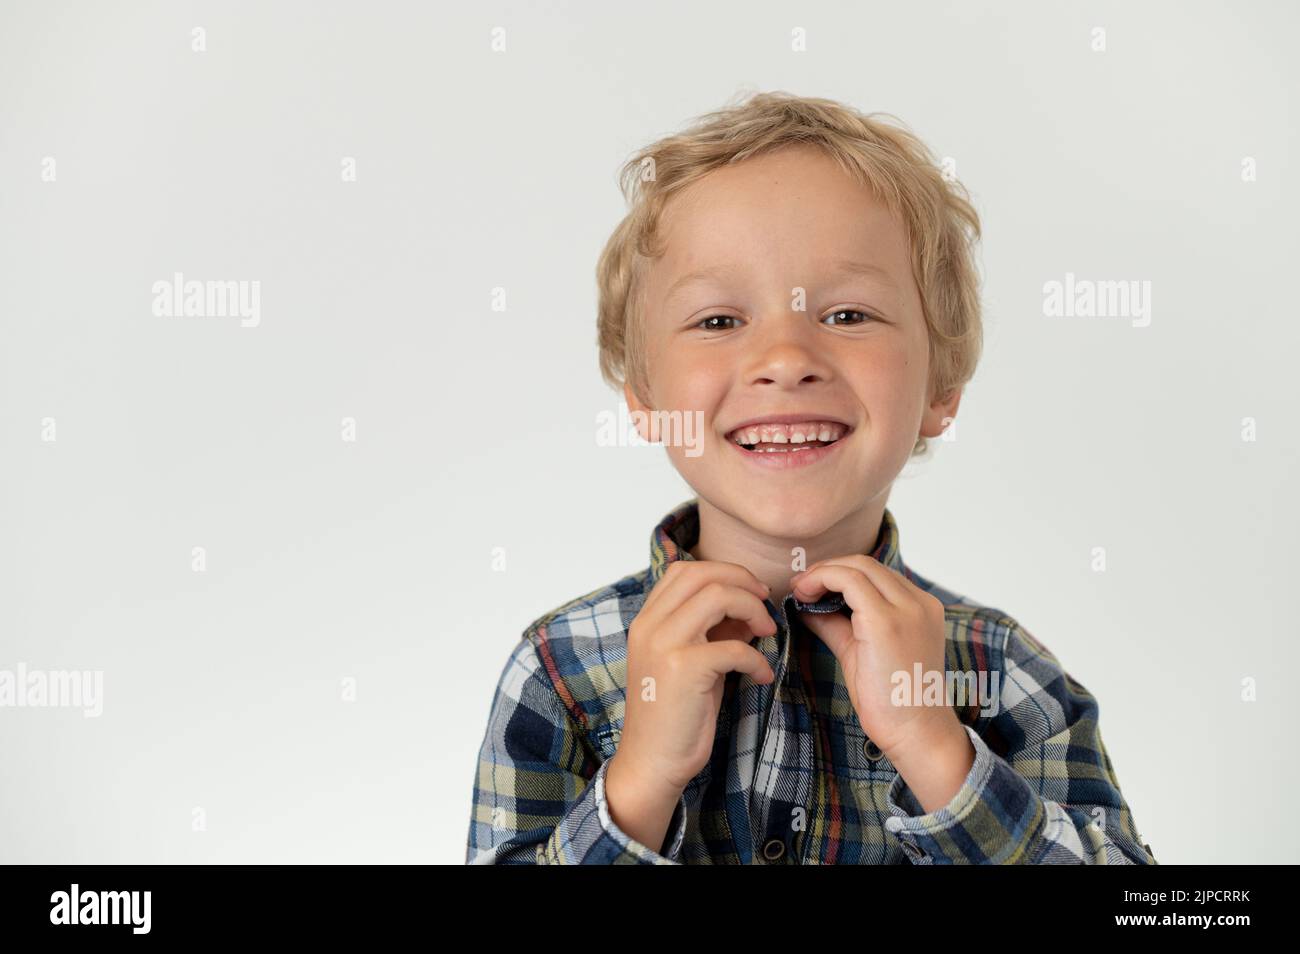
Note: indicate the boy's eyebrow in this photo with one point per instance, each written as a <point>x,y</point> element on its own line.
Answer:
<point>867,269</point>
<point>844,265</point>
<point>700,274</point>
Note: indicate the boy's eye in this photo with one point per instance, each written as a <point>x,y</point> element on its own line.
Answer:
<point>850,311</point>
<point>702,321</point>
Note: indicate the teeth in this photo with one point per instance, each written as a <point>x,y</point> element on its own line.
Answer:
<point>789,433</point>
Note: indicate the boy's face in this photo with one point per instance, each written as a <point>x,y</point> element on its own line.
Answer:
<point>765,228</point>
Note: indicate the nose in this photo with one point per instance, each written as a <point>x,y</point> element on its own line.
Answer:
<point>785,354</point>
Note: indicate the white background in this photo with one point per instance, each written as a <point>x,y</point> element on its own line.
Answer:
<point>475,428</point>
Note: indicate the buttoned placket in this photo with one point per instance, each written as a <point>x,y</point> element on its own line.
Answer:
<point>773,838</point>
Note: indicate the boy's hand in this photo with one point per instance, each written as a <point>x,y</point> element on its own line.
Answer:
<point>693,629</point>
<point>894,625</point>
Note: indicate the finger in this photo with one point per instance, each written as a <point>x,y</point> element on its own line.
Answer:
<point>718,659</point>
<point>891,584</point>
<point>858,591</point>
<point>732,629</point>
<point>715,602</point>
<point>833,629</point>
<point>684,578</point>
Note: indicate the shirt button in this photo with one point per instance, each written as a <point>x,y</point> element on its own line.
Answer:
<point>913,852</point>
<point>872,751</point>
<point>774,849</point>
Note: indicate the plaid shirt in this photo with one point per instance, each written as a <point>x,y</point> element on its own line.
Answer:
<point>1042,789</point>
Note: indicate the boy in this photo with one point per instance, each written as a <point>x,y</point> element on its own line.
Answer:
<point>799,277</point>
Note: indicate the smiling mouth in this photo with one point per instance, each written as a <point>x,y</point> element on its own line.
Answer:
<point>761,440</point>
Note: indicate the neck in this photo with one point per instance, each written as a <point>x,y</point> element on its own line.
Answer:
<point>728,539</point>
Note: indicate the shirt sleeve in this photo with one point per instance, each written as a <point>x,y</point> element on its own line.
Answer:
<point>1053,799</point>
<point>539,794</point>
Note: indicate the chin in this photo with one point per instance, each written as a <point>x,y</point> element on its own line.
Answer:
<point>790,515</point>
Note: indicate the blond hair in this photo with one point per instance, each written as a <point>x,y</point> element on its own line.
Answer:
<point>936,210</point>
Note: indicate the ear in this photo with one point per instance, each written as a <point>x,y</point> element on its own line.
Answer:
<point>640,414</point>
<point>941,412</point>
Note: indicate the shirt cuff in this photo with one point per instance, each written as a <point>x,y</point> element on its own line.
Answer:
<point>587,834</point>
<point>993,819</point>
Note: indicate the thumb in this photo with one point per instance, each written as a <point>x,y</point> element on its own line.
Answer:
<point>833,629</point>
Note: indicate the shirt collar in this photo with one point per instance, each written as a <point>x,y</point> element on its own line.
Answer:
<point>680,530</point>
